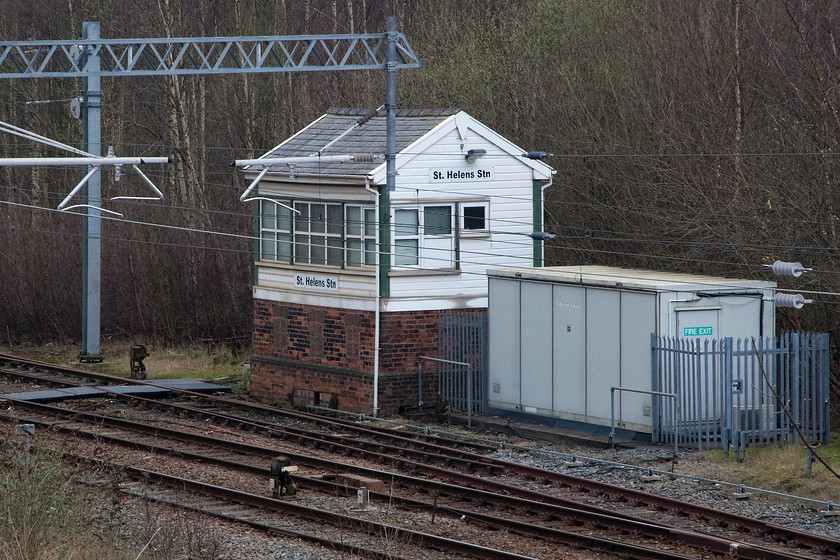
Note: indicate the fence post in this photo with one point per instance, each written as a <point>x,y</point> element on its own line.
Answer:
<point>655,417</point>
<point>727,392</point>
<point>420,383</point>
<point>652,393</point>
<point>795,410</point>
<point>469,395</point>
<point>485,368</point>
<point>825,389</point>
<point>612,418</point>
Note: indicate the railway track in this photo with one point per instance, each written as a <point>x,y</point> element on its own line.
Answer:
<point>333,530</point>
<point>468,477</point>
<point>532,516</point>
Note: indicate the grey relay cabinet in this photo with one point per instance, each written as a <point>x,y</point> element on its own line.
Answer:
<point>561,337</point>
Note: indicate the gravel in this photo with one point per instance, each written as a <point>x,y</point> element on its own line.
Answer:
<point>693,478</point>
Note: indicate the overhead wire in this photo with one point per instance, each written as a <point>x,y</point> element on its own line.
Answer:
<point>588,236</point>
<point>482,274</point>
<point>481,195</point>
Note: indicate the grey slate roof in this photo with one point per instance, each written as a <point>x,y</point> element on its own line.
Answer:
<point>367,138</point>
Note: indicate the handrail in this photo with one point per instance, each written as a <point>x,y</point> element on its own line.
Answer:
<point>454,363</point>
<point>658,393</point>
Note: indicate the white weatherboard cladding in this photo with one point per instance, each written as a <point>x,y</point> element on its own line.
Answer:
<point>599,335</point>
<point>431,304</point>
<point>445,140</point>
<point>510,216</point>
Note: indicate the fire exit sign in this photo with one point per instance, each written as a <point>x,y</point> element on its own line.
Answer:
<point>697,331</point>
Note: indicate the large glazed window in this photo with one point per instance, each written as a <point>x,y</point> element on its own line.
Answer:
<point>344,235</point>
<point>319,233</point>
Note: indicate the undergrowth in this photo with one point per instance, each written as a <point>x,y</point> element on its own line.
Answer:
<point>209,362</point>
<point>44,515</point>
<point>51,511</point>
<point>783,468</point>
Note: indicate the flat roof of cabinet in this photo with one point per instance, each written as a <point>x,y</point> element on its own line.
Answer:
<point>630,278</point>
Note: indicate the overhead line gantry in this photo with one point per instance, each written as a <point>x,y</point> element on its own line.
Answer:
<point>91,58</point>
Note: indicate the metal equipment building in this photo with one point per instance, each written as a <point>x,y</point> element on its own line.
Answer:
<point>351,278</point>
<point>562,337</point>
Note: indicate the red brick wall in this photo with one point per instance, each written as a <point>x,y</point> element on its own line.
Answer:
<point>276,380</point>
<point>332,351</point>
<point>316,335</point>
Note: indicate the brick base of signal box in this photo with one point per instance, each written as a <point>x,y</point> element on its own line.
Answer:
<point>325,356</point>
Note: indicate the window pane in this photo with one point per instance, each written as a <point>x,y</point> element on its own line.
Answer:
<point>335,252</point>
<point>474,217</point>
<point>334,222</point>
<point>317,217</point>
<point>302,248</point>
<point>405,223</point>
<point>370,222</point>
<point>354,252</point>
<point>405,252</point>
<point>317,250</point>
<point>302,219</point>
<point>268,214</point>
<point>437,220</point>
<point>284,218</point>
<point>354,224</point>
<point>268,247</point>
<point>370,252</point>
<point>284,247</point>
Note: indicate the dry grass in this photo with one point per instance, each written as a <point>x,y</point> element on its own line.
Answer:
<point>46,515</point>
<point>209,363</point>
<point>783,469</point>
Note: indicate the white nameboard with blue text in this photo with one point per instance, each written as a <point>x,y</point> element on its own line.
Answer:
<point>316,282</point>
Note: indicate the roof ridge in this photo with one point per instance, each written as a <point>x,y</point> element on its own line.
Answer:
<point>361,112</point>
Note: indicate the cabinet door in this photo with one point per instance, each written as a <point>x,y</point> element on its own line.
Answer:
<point>535,344</point>
<point>569,339</point>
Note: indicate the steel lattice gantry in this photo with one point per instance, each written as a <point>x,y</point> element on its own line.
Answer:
<point>92,58</point>
<point>202,55</point>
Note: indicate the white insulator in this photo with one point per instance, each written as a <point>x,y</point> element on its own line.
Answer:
<point>363,158</point>
<point>782,268</point>
<point>790,300</point>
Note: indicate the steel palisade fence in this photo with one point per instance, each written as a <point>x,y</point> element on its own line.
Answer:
<point>738,392</point>
<point>463,338</point>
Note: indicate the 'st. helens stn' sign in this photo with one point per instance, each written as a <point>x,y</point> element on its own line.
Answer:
<point>697,331</point>
<point>316,282</point>
<point>440,175</point>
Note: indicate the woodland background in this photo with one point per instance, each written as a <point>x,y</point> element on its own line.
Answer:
<point>696,136</point>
